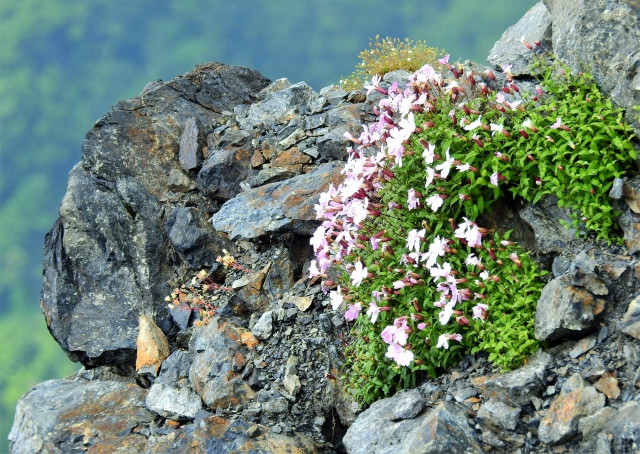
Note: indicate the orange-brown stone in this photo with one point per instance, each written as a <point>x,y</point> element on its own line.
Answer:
<point>152,344</point>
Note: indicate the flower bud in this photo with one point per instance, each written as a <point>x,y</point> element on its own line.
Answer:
<point>524,134</point>
<point>462,320</point>
<point>526,43</point>
<point>466,109</point>
<point>490,74</point>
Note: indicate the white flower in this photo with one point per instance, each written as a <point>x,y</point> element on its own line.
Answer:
<point>358,274</point>
<point>434,202</point>
<point>475,124</point>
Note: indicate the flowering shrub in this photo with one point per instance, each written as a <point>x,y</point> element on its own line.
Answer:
<point>389,55</point>
<point>423,283</point>
<point>202,292</point>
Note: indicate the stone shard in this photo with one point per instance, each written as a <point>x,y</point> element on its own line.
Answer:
<point>190,154</point>
<point>152,346</point>
<point>279,106</point>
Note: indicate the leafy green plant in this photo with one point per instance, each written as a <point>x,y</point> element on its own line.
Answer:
<point>388,55</point>
<point>423,282</point>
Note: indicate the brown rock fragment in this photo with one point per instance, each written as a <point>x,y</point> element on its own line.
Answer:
<point>152,346</point>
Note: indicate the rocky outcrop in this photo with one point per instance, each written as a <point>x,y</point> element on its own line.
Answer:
<point>219,170</point>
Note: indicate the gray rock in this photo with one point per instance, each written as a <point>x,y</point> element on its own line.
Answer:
<point>276,405</point>
<point>291,380</point>
<point>583,273</point>
<point>193,238</point>
<point>498,415</point>
<point>277,207</point>
<point>630,323</point>
<point>293,138</point>
<point>576,400</point>
<point>179,404</point>
<point>264,326</point>
<point>622,423</point>
<point>174,368</point>
<point>279,106</point>
<point>535,25</point>
<point>544,220</point>
<point>211,373</point>
<point>108,237</point>
<point>270,175</point>
<point>408,405</point>
<point>516,388</point>
<point>108,249</point>
<point>444,428</point>
<point>179,182</point>
<point>68,416</point>
<point>223,172</point>
<point>565,310</point>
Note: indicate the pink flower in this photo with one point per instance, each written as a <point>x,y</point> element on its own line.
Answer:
<point>494,178</point>
<point>358,274</point>
<point>396,333</point>
<point>335,296</point>
<point>412,199</point>
<point>402,356</point>
<point>443,340</point>
<point>480,311</point>
<point>422,326</point>
<point>353,312</point>
<point>444,60</point>
<point>557,124</point>
<point>373,311</point>
<point>470,232</point>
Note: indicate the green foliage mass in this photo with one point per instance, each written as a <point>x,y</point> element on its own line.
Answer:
<point>565,139</point>
<point>63,64</point>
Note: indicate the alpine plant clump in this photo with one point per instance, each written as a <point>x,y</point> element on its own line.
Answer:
<point>422,281</point>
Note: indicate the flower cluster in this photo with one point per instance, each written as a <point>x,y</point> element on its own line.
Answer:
<point>421,279</point>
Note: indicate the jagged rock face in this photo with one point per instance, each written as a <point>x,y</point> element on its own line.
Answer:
<point>221,159</point>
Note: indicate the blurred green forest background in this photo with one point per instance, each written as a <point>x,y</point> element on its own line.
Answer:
<point>64,63</point>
